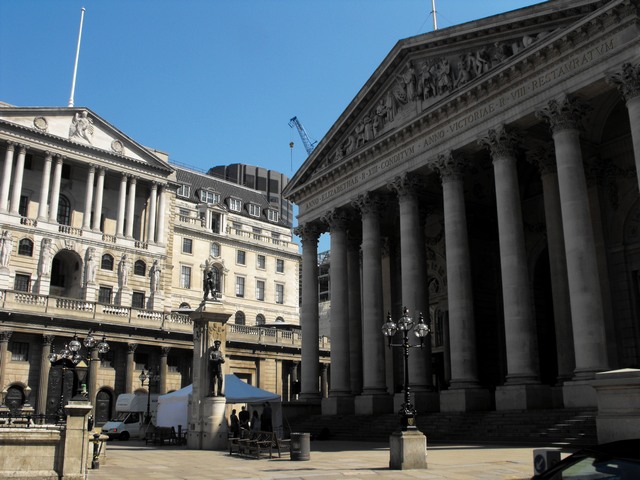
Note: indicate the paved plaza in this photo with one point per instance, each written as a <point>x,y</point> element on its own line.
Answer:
<point>328,460</point>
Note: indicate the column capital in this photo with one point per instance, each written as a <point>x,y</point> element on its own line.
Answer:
<point>23,148</point>
<point>5,335</point>
<point>164,351</point>
<point>308,232</point>
<point>565,113</point>
<point>369,203</point>
<point>449,167</point>
<point>48,155</point>
<point>627,81</point>
<point>11,145</point>
<point>542,157</point>
<point>47,339</point>
<point>131,347</point>
<point>406,185</point>
<point>501,141</point>
<point>337,219</point>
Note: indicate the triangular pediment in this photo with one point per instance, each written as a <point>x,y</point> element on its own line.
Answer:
<point>80,128</point>
<point>425,72</point>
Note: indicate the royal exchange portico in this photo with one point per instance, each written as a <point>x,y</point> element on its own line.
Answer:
<point>485,174</point>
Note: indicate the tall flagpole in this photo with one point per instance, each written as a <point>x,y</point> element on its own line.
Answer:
<point>433,10</point>
<point>75,66</point>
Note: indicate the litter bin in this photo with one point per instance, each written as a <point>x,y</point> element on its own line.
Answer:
<point>300,446</point>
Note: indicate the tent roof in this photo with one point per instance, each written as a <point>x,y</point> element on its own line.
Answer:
<point>236,391</point>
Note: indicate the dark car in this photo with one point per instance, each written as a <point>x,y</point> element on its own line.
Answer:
<point>614,461</point>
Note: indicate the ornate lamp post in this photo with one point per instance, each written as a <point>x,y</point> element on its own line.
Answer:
<point>405,324</point>
<point>149,377</point>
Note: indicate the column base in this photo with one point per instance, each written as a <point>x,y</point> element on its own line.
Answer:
<point>338,405</point>
<point>422,401</point>
<point>373,404</point>
<point>579,394</point>
<point>523,397</point>
<point>465,400</point>
<point>407,450</point>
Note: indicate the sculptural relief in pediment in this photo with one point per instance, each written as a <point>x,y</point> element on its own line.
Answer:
<point>420,83</point>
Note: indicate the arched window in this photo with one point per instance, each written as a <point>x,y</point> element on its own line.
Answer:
<point>64,211</point>
<point>279,320</point>
<point>215,250</point>
<point>240,319</point>
<point>14,399</point>
<point>107,262</point>
<point>140,268</point>
<point>25,247</point>
<point>217,278</point>
<point>260,320</point>
<point>184,306</point>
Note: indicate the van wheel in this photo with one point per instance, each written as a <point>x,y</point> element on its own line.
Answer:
<point>124,436</point>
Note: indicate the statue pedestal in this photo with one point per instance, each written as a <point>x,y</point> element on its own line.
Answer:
<point>408,450</point>
<point>207,422</point>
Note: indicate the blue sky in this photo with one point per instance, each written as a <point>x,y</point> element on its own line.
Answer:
<point>212,81</point>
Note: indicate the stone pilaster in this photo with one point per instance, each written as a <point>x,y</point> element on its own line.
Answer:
<point>122,198</point>
<point>153,199</point>
<point>131,204</point>
<point>130,368</point>
<point>45,366</point>
<point>164,370</point>
<point>99,195</point>
<point>55,189</point>
<point>44,187</point>
<point>6,176</point>
<point>88,199</point>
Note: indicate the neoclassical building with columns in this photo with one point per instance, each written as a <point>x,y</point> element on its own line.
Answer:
<point>487,176</point>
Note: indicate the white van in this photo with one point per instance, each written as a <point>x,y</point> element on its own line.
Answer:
<point>131,410</point>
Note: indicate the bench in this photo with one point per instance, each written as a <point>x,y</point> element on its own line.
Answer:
<point>256,444</point>
<point>160,435</point>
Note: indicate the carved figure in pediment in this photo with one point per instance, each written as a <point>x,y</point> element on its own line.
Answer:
<point>380,115</point>
<point>502,52</point>
<point>81,126</point>
<point>428,78</point>
<point>350,145</point>
<point>408,79</point>
<point>359,134</point>
<point>464,73</point>
<point>376,125</point>
<point>483,61</point>
<point>445,83</point>
<point>368,128</point>
<point>389,107</point>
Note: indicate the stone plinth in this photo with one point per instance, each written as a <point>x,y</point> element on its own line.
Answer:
<point>465,400</point>
<point>338,405</point>
<point>76,440</point>
<point>408,450</point>
<point>373,404</point>
<point>214,424</point>
<point>579,394</point>
<point>523,397</point>
<point>618,394</point>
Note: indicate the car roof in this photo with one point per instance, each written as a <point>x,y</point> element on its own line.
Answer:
<point>620,448</point>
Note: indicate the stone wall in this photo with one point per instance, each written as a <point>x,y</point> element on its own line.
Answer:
<point>30,453</point>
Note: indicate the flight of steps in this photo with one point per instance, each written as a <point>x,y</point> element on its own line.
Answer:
<point>541,427</point>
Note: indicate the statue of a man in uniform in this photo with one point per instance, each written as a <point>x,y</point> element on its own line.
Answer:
<point>216,359</point>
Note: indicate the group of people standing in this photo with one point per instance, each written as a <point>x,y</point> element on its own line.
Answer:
<point>251,422</point>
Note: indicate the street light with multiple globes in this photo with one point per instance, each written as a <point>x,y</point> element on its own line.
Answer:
<point>149,377</point>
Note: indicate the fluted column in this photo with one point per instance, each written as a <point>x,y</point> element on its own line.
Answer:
<point>355,311</point>
<point>564,117</point>
<point>373,348</point>
<point>55,190</point>
<point>310,367</point>
<point>122,198</point>
<point>130,368</point>
<point>519,320</point>
<point>45,366</point>
<point>97,208</point>
<point>164,370</point>
<point>5,336</point>
<point>153,199</point>
<point>340,382</point>
<point>44,187</point>
<point>131,207</point>
<point>18,174</point>
<point>6,176</point>
<point>544,159</point>
<point>628,83</point>
<point>88,199</point>
<point>162,201</point>
<point>413,265</point>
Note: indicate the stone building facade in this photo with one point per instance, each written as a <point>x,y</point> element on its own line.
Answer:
<point>487,174</point>
<point>99,233</point>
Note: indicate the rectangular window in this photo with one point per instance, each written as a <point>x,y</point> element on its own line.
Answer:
<point>184,212</point>
<point>19,351</point>
<point>187,245</point>
<point>262,262</point>
<point>259,290</point>
<point>22,282</point>
<point>209,197</point>
<point>104,295</point>
<point>235,205</point>
<point>257,233</point>
<point>239,286</point>
<point>137,300</point>
<point>279,265</point>
<point>254,210</point>
<point>241,257</point>
<point>273,216</point>
<point>215,223</point>
<point>184,191</point>
<point>22,207</point>
<point>185,277</point>
<point>279,293</point>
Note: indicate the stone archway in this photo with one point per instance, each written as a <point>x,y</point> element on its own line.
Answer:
<point>66,274</point>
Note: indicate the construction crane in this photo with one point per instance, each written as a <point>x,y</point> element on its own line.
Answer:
<point>308,144</point>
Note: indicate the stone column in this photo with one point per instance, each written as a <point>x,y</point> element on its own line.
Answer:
<point>76,441</point>
<point>164,370</point>
<point>94,364</point>
<point>355,311</point>
<point>374,398</point>
<point>5,336</point>
<point>415,292</point>
<point>16,187</point>
<point>464,392</point>
<point>45,366</point>
<point>130,368</point>
<point>544,159</point>
<point>97,207</point>
<point>340,400</point>
<point>6,176</point>
<point>324,380</point>
<point>55,190</point>
<point>628,83</point>
<point>131,207</point>
<point>564,116</point>
<point>121,206</point>
<point>521,386</point>
<point>44,187</point>
<point>310,366</point>
<point>293,379</point>
<point>162,200</point>
<point>88,199</point>
<point>153,199</point>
